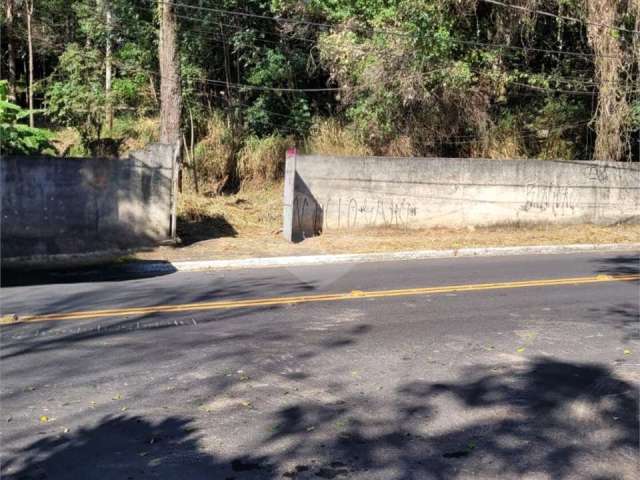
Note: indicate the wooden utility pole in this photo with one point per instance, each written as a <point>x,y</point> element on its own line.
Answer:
<point>29,8</point>
<point>108,62</point>
<point>11,51</point>
<point>170,93</point>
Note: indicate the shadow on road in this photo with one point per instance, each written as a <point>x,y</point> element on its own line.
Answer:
<point>619,265</point>
<point>541,419</point>
<point>123,447</point>
<point>627,314</point>
<point>97,273</point>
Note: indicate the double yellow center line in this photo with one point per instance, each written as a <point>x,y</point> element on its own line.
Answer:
<point>292,300</point>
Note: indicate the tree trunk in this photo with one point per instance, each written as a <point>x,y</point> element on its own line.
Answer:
<point>29,7</point>
<point>612,108</point>
<point>108,61</point>
<point>11,49</point>
<point>170,94</point>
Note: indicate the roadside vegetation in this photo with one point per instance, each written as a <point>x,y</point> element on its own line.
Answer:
<point>458,78</point>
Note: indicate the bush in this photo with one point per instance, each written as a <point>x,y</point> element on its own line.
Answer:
<point>214,155</point>
<point>135,132</point>
<point>263,158</point>
<point>330,137</point>
<point>15,137</point>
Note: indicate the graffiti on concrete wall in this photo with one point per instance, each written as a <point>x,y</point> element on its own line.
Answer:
<point>557,199</point>
<point>350,213</point>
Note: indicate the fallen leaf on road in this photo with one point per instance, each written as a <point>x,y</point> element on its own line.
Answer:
<point>627,351</point>
<point>117,397</point>
<point>44,419</point>
<point>124,409</point>
<point>9,318</point>
<point>520,349</point>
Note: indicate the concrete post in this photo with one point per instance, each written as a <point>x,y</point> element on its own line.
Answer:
<point>175,172</point>
<point>289,193</point>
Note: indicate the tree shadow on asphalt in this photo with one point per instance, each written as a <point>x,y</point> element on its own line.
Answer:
<point>111,272</point>
<point>123,447</point>
<point>549,418</point>
<point>542,419</point>
<point>626,314</point>
<point>24,338</point>
<point>619,265</point>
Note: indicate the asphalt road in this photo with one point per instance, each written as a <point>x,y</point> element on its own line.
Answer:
<point>522,376</point>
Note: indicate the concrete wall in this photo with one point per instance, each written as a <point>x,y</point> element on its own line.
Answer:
<point>64,206</point>
<point>330,193</point>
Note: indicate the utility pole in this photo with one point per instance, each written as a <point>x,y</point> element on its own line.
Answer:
<point>170,93</point>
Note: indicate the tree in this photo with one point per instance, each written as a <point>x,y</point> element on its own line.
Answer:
<point>76,97</point>
<point>29,5</point>
<point>170,92</point>
<point>15,137</point>
<point>108,63</point>
<point>11,49</point>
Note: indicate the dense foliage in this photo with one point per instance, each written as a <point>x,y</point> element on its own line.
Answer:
<point>407,77</point>
<point>15,136</point>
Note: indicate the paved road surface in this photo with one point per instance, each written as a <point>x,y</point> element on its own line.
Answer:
<point>520,376</point>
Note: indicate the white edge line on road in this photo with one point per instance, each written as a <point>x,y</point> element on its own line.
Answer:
<point>310,260</point>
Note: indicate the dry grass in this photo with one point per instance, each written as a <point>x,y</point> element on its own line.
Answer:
<point>249,210</point>
<point>214,155</point>
<point>248,224</point>
<point>67,142</point>
<point>500,144</point>
<point>328,137</point>
<point>142,132</point>
<point>401,146</point>
<point>262,159</point>
<point>381,240</point>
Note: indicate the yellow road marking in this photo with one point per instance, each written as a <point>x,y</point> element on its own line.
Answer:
<point>355,294</point>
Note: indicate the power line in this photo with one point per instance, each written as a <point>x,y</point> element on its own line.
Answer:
<point>224,83</point>
<point>384,31</point>
<point>553,90</point>
<point>237,28</point>
<point>246,14</point>
<point>528,49</point>
<point>378,30</point>
<point>271,89</point>
<point>395,32</point>
<point>565,79</point>
<point>561,17</point>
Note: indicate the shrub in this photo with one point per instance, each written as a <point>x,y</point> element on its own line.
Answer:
<point>15,137</point>
<point>214,155</point>
<point>330,137</point>
<point>263,158</point>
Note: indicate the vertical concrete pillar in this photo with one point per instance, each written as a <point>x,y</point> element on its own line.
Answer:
<point>289,194</point>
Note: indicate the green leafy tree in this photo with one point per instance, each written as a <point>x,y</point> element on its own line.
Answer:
<point>77,98</point>
<point>15,136</point>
